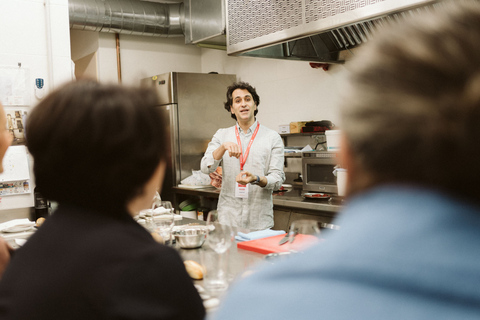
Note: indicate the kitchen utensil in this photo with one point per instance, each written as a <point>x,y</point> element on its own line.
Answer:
<point>189,238</point>
<point>303,233</point>
<point>220,233</point>
<point>283,240</point>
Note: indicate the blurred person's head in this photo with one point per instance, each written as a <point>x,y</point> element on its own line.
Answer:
<point>411,114</point>
<point>98,146</point>
<point>243,86</point>
<point>5,136</point>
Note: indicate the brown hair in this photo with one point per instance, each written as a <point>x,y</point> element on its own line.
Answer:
<point>412,111</point>
<point>244,86</point>
<point>95,145</point>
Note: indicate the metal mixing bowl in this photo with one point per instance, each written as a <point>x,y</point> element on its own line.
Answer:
<point>190,238</point>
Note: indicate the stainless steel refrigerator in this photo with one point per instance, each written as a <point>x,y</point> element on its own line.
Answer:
<point>193,107</point>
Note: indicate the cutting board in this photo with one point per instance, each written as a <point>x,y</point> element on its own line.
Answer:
<point>270,244</point>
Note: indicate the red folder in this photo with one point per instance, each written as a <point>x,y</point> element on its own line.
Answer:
<point>270,244</point>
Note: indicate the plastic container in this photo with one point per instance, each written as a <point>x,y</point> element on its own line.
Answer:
<point>333,140</point>
<point>341,181</point>
<point>189,214</point>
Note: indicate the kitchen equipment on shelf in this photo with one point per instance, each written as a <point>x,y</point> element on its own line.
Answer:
<point>341,181</point>
<point>333,140</point>
<point>317,172</point>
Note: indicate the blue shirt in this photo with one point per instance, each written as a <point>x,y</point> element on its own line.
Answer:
<point>401,253</point>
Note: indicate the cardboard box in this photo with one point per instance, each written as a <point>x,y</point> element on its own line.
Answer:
<point>296,127</point>
<point>284,128</point>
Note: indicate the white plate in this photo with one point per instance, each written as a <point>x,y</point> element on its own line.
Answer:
<point>18,228</point>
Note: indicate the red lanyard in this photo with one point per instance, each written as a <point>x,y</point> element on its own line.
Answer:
<point>243,159</point>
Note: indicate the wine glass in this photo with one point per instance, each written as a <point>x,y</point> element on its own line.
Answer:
<point>303,234</point>
<point>164,221</point>
<point>220,233</point>
<point>147,215</point>
<point>168,206</point>
<point>157,201</point>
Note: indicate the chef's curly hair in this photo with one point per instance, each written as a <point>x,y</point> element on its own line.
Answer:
<point>244,86</point>
<point>96,145</point>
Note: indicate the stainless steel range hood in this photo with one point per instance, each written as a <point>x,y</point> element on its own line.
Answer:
<point>310,30</point>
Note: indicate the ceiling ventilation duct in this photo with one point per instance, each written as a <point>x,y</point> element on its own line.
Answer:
<point>127,17</point>
<point>310,30</point>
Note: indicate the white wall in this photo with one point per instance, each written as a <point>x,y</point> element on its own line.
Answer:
<point>289,90</point>
<point>23,38</point>
<point>142,57</point>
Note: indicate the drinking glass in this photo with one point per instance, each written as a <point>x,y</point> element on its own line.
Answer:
<point>220,233</point>
<point>220,236</point>
<point>147,215</point>
<point>164,222</point>
<point>215,277</point>
<point>157,201</point>
<point>303,234</point>
<point>168,206</point>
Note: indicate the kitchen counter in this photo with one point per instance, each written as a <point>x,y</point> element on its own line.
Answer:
<point>239,261</point>
<point>291,198</point>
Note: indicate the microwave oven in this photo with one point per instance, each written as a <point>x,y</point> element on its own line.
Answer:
<point>317,171</point>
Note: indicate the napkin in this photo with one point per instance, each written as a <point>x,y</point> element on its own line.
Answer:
<point>16,223</point>
<point>258,234</point>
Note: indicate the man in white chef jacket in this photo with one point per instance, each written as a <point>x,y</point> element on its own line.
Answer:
<point>252,158</point>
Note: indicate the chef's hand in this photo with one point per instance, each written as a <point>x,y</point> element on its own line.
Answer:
<point>5,253</point>
<point>233,149</point>
<point>245,177</point>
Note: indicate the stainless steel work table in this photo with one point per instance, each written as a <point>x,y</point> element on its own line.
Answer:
<point>289,199</point>
<point>239,260</point>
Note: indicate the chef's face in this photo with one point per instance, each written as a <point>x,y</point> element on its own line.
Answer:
<point>5,137</point>
<point>243,106</point>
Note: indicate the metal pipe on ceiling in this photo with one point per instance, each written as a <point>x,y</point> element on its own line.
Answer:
<point>127,17</point>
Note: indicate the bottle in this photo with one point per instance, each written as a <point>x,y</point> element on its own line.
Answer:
<point>41,205</point>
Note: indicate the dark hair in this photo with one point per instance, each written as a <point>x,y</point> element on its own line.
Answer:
<point>244,86</point>
<point>412,113</point>
<point>96,145</point>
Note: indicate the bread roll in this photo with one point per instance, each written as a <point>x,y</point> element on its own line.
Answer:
<point>39,221</point>
<point>194,269</point>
